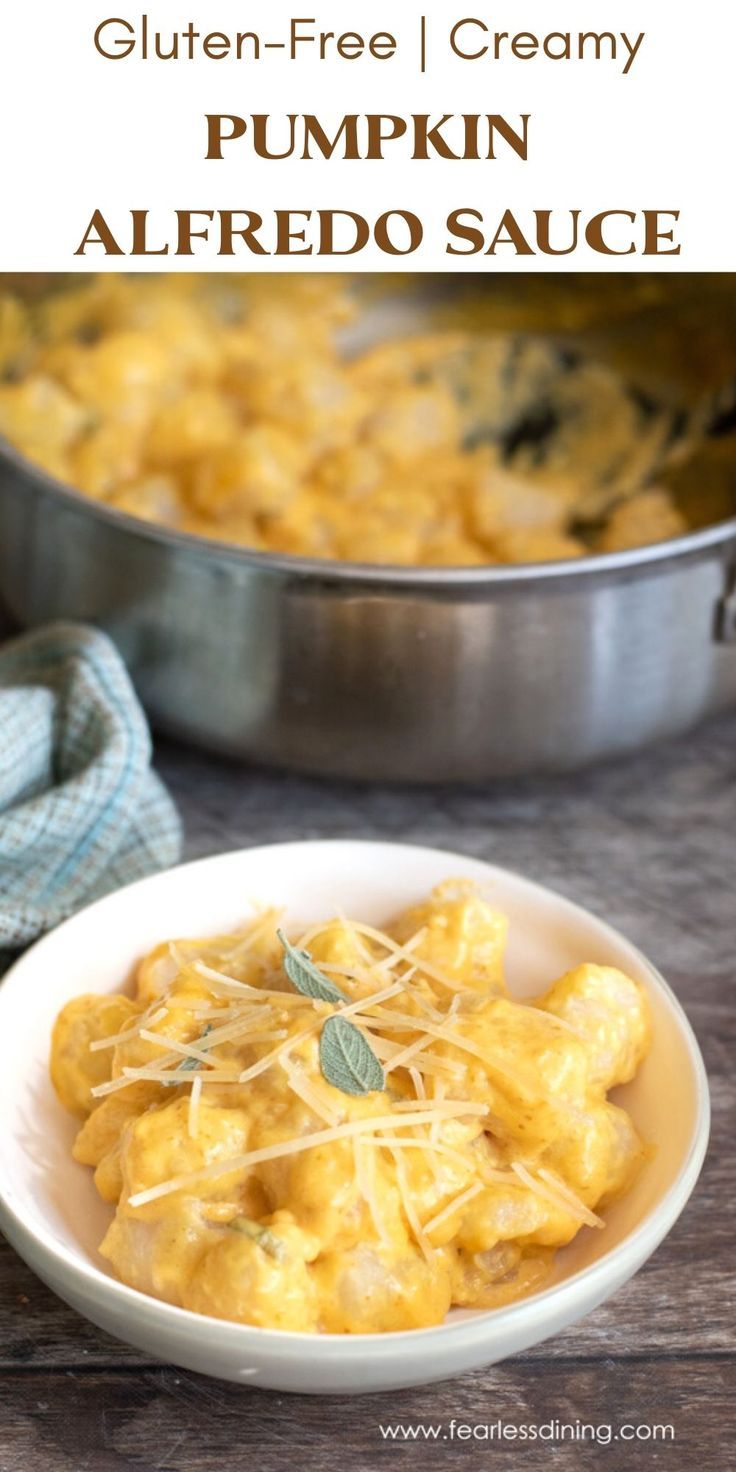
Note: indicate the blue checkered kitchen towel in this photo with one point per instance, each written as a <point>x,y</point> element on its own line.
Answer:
<point>81,811</point>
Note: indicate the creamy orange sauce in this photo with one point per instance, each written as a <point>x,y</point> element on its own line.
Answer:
<point>232,410</point>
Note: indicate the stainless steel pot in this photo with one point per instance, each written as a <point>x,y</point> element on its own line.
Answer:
<point>369,672</point>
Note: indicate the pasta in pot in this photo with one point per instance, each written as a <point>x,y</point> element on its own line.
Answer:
<point>356,1131</point>
<point>231,410</point>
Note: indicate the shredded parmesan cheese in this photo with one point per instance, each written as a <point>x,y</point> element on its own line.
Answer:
<point>417,1142</point>
<point>400,1021</point>
<point>401,1059</point>
<point>256,1024</point>
<point>365,1174</point>
<point>193,1115</point>
<point>218,979</point>
<point>175,1076</point>
<point>439,1094</point>
<point>307,1091</point>
<point>405,1106</point>
<point>283,1148</point>
<point>453,1206</point>
<point>429,1064</point>
<point>410,1211</point>
<point>566,1202</point>
<point>418,1082</point>
<point>275,1054</point>
<point>262,923</point>
<point>170,1045</point>
<point>149,1018</point>
<point>398,950</point>
<point>564,1191</point>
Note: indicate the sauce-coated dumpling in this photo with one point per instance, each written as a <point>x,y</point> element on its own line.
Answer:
<point>231,409</point>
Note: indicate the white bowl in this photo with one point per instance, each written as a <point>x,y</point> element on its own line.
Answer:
<point>50,1211</point>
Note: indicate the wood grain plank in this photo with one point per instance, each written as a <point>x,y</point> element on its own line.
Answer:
<point>164,1421</point>
<point>647,843</point>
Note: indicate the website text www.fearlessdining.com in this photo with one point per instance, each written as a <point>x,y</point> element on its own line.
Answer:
<point>601,1433</point>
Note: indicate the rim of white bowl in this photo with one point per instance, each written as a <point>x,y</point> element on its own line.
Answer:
<point>636,1245</point>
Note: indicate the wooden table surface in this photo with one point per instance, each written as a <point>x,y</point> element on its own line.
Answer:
<point>651,845</point>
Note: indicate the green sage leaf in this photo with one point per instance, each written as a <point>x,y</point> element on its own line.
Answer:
<point>190,1065</point>
<point>306,977</point>
<point>347,1060</point>
<point>266,1239</point>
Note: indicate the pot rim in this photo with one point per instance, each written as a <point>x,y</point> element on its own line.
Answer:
<point>386,575</point>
